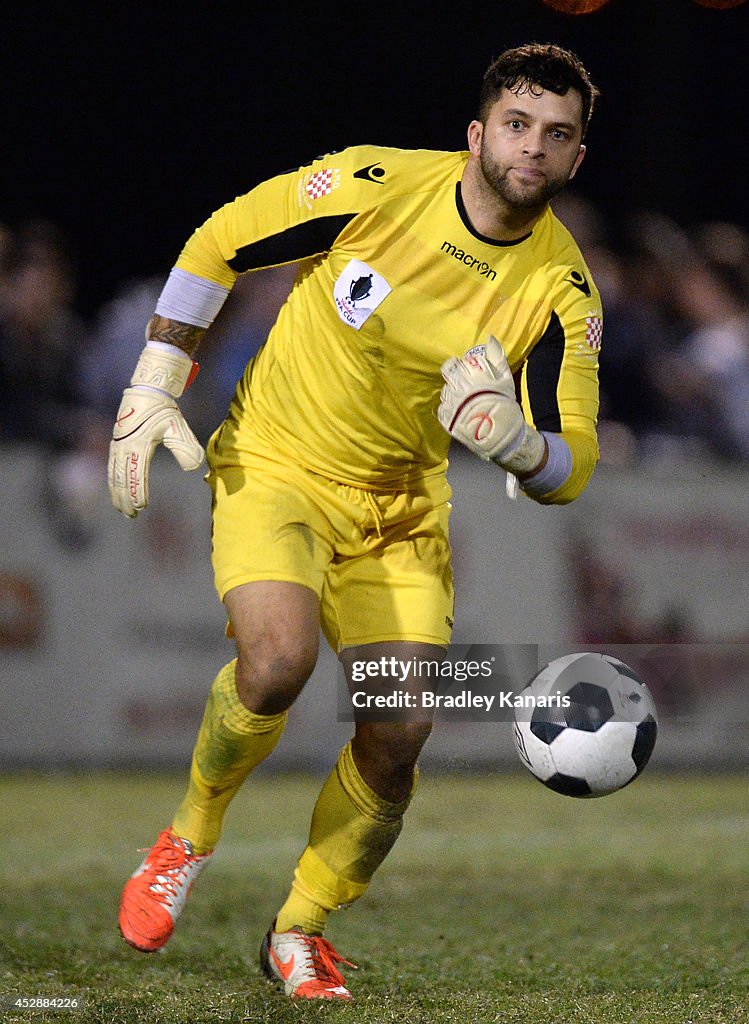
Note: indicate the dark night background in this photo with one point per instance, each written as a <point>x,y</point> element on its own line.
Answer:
<point>128,123</point>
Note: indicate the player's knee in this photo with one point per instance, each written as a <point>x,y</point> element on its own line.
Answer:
<point>413,738</point>
<point>270,676</point>
<point>393,747</point>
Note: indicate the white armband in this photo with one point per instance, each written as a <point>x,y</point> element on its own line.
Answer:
<point>191,299</point>
<point>556,471</point>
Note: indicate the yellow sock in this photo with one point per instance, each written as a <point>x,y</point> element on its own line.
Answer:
<point>353,829</point>
<point>231,742</point>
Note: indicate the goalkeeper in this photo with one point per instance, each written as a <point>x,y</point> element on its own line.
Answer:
<point>437,296</point>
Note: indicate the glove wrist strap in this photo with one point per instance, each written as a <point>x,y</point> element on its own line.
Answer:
<point>166,371</point>
<point>525,454</point>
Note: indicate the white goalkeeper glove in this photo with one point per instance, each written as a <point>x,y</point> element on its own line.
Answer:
<point>478,407</point>
<point>149,416</point>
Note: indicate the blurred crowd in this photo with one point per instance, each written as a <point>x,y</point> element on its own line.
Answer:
<point>62,374</point>
<point>674,362</point>
<point>675,357</point>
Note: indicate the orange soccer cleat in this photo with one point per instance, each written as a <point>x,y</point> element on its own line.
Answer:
<point>155,894</point>
<point>304,964</point>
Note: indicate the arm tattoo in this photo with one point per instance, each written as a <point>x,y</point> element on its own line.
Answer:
<point>174,332</point>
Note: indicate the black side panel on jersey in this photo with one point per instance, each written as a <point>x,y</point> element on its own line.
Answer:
<point>295,243</point>
<point>542,377</point>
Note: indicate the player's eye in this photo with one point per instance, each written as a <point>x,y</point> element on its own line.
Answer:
<point>558,135</point>
<point>516,126</point>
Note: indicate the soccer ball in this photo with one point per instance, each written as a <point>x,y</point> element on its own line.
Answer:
<point>587,726</point>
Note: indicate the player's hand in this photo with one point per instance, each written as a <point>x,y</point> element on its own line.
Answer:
<point>149,416</point>
<point>478,407</point>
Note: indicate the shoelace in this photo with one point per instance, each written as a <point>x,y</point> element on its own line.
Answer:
<point>324,958</point>
<point>172,857</point>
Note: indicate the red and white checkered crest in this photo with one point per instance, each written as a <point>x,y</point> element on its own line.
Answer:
<point>593,332</point>
<point>319,184</point>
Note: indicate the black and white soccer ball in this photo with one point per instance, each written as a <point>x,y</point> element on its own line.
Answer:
<point>588,726</point>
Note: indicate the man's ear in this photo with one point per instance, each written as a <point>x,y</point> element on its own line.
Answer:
<point>578,160</point>
<point>475,135</point>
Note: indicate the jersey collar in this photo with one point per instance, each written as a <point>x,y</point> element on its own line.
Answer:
<point>467,223</point>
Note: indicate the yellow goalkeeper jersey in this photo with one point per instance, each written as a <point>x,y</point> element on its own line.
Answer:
<point>393,280</point>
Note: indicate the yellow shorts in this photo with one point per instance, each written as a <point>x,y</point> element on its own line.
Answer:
<point>378,560</point>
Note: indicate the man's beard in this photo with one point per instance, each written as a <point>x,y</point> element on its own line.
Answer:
<point>529,197</point>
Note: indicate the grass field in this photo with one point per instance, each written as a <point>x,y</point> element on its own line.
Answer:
<point>502,902</point>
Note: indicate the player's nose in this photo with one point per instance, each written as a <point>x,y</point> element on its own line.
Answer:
<point>534,143</point>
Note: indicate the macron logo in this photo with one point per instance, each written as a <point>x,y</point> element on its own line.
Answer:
<point>480,266</point>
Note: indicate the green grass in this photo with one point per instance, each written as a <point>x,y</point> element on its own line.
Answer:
<point>502,902</point>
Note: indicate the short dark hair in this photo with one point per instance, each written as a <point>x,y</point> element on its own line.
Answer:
<point>540,65</point>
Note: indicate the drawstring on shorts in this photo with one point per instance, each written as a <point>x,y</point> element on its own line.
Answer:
<point>374,508</point>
